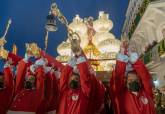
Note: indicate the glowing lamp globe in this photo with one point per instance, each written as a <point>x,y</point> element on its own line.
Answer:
<point>103,23</point>
<point>78,26</point>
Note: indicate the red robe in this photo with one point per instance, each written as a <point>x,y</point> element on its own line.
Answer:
<point>52,61</point>
<point>49,103</point>
<point>27,101</point>
<point>51,93</point>
<point>74,101</point>
<point>47,94</point>
<point>96,96</point>
<point>126,102</point>
<point>112,93</point>
<point>20,76</point>
<point>54,94</point>
<point>6,94</point>
<point>15,58</point>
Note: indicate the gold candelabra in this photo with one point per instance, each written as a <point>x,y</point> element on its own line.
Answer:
<point>3,52</point>
<point>73,36</point>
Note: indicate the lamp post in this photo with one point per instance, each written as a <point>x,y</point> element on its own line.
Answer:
<point>51,25</point>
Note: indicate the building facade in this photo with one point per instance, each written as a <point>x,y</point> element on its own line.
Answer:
<point>145,27</point>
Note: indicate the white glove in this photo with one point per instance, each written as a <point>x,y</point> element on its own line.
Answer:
<point>81,59</point>
<point>47,69</point>
<point>6,65</point>
<point>40,62</point>
<point>27,57</point>
<point>129,67</point>
<point>57,74</point>
<point>133,57</point>
<point>72,62</point>
<point>122,57</point>
<point>33,68</point>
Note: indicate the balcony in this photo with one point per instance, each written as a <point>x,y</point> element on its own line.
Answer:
<point>138,16</point>
<point>155,53</point>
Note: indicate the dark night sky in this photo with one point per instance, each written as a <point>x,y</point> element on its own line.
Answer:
<point>29,18</point>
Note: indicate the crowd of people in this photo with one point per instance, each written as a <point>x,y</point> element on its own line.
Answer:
<point>46,86</point>
<point>159,95</point>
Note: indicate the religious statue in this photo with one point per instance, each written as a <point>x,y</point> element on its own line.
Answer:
<point>91,32</point>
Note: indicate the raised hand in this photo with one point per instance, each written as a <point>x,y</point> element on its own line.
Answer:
<point>72,62</point>
<point>133,55</point>
<point>27,56</point>
<point>124,47</point>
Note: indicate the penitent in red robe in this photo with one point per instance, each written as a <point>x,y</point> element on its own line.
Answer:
<point>27,101</point>
<point>6,94</point>
<point>124,101</point>
<point>74,101</point>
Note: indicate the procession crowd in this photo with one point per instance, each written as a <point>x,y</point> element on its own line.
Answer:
<point>47,86</point>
